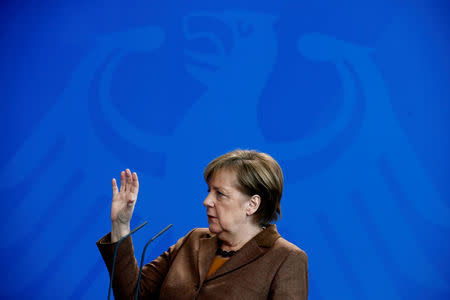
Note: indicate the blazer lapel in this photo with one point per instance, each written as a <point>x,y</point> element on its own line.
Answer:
<point>251,251</point>
<point>245,255</point>
<point>206,252</point>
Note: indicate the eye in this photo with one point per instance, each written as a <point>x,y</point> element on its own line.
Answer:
<point>219,194</point>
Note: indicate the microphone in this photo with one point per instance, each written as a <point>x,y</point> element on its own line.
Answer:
<point>143,255</point>
<point>115,254</point>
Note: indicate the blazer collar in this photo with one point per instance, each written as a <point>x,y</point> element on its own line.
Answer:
<point>248,253</point>
<point>267,237</point>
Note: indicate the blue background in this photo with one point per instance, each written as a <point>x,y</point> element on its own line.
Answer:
<point>351,97</point>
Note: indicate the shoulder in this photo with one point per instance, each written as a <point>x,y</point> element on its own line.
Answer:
<point>201,232</point>
<point>195,234</point>
<point>289,251</point>
<point>277,247</point>
<point>189,241</point>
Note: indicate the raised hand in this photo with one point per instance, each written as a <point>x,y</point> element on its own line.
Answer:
<point>123,202</point>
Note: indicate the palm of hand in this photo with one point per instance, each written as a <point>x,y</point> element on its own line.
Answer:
<point>124,200</point>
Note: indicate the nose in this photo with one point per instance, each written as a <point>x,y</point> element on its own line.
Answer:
<point>208,202</point>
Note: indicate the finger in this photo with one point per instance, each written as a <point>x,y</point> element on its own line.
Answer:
<point>135,183</point>
<point>129,180</point>
<point>122,181</point>
<point>114,187</point>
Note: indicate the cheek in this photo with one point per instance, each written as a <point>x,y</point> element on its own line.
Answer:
<point>222,215</point>
<point>229,215</point>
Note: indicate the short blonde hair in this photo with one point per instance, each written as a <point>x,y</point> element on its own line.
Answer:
<point>258,174</point>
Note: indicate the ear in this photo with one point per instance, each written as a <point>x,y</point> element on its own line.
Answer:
<point>253,204</point>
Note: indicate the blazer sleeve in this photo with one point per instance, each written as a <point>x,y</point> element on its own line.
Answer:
<point>291,280</point>
<point>126,271</point>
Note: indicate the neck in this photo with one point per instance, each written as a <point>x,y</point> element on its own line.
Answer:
<point>235,241</point>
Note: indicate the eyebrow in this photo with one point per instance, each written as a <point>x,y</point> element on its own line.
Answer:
<point>218,188</point>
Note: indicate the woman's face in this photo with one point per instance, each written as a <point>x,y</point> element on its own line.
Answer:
<point>226,206</point>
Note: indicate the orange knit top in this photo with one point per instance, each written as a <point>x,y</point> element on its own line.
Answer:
<point>217,262</point>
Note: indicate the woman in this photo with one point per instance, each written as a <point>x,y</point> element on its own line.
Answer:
<point>240,256</point>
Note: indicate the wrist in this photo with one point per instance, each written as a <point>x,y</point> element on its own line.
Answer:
<point>119,230</point>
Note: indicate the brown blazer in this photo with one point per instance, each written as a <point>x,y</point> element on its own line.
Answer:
<point>267,267</point>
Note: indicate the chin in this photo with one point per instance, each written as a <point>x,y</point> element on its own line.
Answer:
<point>214,228</point>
